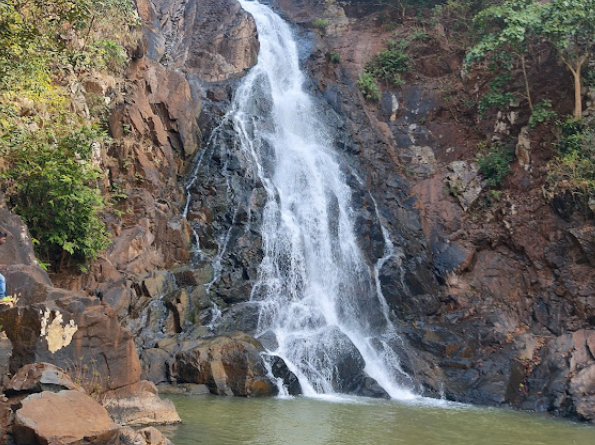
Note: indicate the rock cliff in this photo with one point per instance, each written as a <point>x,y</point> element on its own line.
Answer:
<point>502,313</point>
<point>494,303</point>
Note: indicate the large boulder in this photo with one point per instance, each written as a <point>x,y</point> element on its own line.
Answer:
<point>39,377</point>
<point>139,404</point>
<point>25,280</point>
<point>146,436</point>
<point>80,334</point>
<point>228,365</point>
<point>77,419</point>
<point>18,248</point>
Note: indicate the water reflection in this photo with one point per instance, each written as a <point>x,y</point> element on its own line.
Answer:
<point>359,421</point>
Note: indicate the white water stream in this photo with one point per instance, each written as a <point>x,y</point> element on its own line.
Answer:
<point>318,294</point>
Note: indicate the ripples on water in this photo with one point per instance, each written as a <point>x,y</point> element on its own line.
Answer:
<point>337,420</point>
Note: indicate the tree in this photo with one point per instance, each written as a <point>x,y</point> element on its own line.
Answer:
<point>569,26</point>
<point>54,191</point>
<point>509,27</point>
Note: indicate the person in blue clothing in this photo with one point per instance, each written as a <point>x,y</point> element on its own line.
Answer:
<point>3,236</point>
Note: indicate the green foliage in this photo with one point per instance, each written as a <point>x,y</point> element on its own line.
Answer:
<point>335,58</point>
<point>573,171</point>
<point>542,112</point>
<point>494,163</point>
<point>320,23</point>
<point>48,176</point>
<point>419,34</point>
<point>494,99</point>
<point>509,26</point>
<point>569,25</point>
<point>53,190</point>
<point>368,87</point>
<point>390,64</point>
<point>516,25</point>
<point>575,134</point>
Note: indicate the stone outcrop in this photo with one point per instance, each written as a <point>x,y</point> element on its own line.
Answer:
<point>139,404</point>
<point>5,419</point>
<point>145,436</point>
<point>5,354</point>
<point>39,377</point>
<point>228,365</point>
<point>213,39</point>
<point>78,420</point>
<point>79,334</point>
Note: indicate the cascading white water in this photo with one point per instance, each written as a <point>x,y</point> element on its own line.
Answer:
<point>318,295</point>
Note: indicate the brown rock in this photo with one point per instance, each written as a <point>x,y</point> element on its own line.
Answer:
<point>228,365</point>
<point>81,420</point>
<point>18,248</point>
<point>155,364</point>
<point>80,334</point>
<point>39,377</point>
<point>5,420</point>
<point>582,388</point>
<point>585,238</point>
<point>5,354</point>
<point>146,436</point>
<point>215,39</point>
<point>139,404</point>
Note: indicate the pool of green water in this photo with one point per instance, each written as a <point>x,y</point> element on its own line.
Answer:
<point>359,421</point>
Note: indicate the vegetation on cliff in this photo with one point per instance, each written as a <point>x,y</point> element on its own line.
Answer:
<point>52,128</point>
<point>507,45</point>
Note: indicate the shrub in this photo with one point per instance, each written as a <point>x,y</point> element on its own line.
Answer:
<point>390,63</point>
<point>335,58</point>
<point>494,99</point>
<point>368,86</point>
<point>494,163</point>
<point>46,150</point>
<point>573,171</point>
<point>542,111</point>
<point>320,23</point>
<point>54,192</point>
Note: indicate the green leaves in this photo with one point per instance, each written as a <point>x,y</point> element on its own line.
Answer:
<point>390,63</point>
<point>494,163</point>
<point>50,180</point>
<point>368,86</point>
<point>509,25</point>
<point>572,173</point>
<point>569,25</point>
<point>55,192</point>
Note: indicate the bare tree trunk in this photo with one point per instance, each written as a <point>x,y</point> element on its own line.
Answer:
<point>576,73</point>
<point>578,98</point>
<point>523,66</point>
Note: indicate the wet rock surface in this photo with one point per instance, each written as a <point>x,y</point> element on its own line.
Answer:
<point>494,300</point>
<point>228,365</point>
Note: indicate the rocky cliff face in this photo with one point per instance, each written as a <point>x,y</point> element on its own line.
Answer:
<point>488,298</point>
<point>511,319</point>
<point>495,304</point>
<point>78,324</point>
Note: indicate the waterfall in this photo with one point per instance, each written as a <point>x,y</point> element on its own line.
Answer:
<point>318,296</point>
